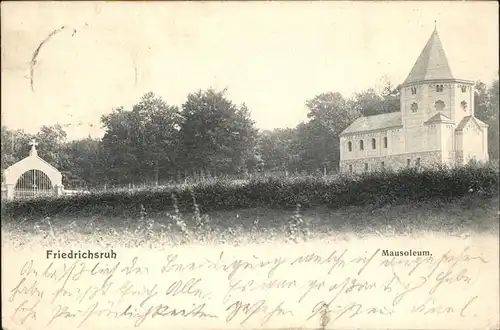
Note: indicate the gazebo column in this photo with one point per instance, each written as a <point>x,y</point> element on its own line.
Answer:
<point>59,190</point>
<point>10,191</point>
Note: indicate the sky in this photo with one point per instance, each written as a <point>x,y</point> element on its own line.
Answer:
<point>273,56</point>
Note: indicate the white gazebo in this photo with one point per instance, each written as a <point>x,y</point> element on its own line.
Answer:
<point>31,177</point>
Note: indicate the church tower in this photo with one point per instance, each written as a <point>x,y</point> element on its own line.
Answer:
<point>434,102</point>
<point>431,88</point>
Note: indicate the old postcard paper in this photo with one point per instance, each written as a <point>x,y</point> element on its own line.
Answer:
<point>250,165</point>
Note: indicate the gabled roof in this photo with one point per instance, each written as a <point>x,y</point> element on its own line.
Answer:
<point>376,122</point>
<point>46,162</point>
<point>468,119</point>
<point>432,62</point>
<point>438,118</point>
<point>30,158</point>
<point>480,123</point>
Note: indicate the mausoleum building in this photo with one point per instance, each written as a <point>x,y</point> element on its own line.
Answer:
<point>435,124</point>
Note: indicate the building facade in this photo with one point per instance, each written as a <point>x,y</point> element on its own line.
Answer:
<point>435,124</point>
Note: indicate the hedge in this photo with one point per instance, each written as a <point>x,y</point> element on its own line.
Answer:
<point>372,188</point>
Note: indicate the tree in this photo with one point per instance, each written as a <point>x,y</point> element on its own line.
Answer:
<point>85,166</point>
<point>141,145</point>
<point>275,148</point>
<point>51,146</point>
<point>391,97</point>
<point>493,131</point>
<point>15,146</point>
<point>370,103</point>
<point>486,109</point>
<point>216,134</point>
<point>329,114</point>
<point>51,141</point>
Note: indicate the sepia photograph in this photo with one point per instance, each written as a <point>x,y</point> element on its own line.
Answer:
<point>250,165</point>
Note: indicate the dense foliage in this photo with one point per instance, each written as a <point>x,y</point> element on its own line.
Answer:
<point>373,188</point>
<point>210,136</point>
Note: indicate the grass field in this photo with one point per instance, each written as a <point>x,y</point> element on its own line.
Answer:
<point>446,200</point>
<point>457,217</point>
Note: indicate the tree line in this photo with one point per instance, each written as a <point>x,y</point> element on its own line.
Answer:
<point>209,135</point>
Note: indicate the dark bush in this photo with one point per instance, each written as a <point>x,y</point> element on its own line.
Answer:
<point>377,188</point>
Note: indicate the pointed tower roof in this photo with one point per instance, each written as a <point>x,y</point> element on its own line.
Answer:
<point>432,62</point>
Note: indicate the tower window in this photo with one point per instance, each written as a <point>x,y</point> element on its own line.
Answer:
<point>414,107</point>
<point>463,104</point>
<point>414,90</point>
<point>439,88</point>
<point>361,145</point>
<point>374,144</point>
<point>382,165</point>
<point>350,168</point>
<point>439,105</point>
<point>385,142</point>
<point>408,162</point>
<point>349,146</point>
<point>417,162</point>
<point>464,89</point>
<point>366,166</point>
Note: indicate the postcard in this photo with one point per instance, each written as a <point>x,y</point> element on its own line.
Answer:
<point>250,165</point>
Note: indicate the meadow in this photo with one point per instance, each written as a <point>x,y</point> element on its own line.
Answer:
<point>442,199</point>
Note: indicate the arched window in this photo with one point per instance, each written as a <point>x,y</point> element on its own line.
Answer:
<point>414,90</point>
<point>349,146</point>
<point>385,142</point>
<point>464,89</point>
<point>439,88</point>
<point>414,107</point>
<point>439,105</point>
<point>374,143</point>
<point>463,104</point>
<point>361,145</point>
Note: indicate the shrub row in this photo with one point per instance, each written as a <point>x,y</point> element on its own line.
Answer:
<point>373,188</point>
